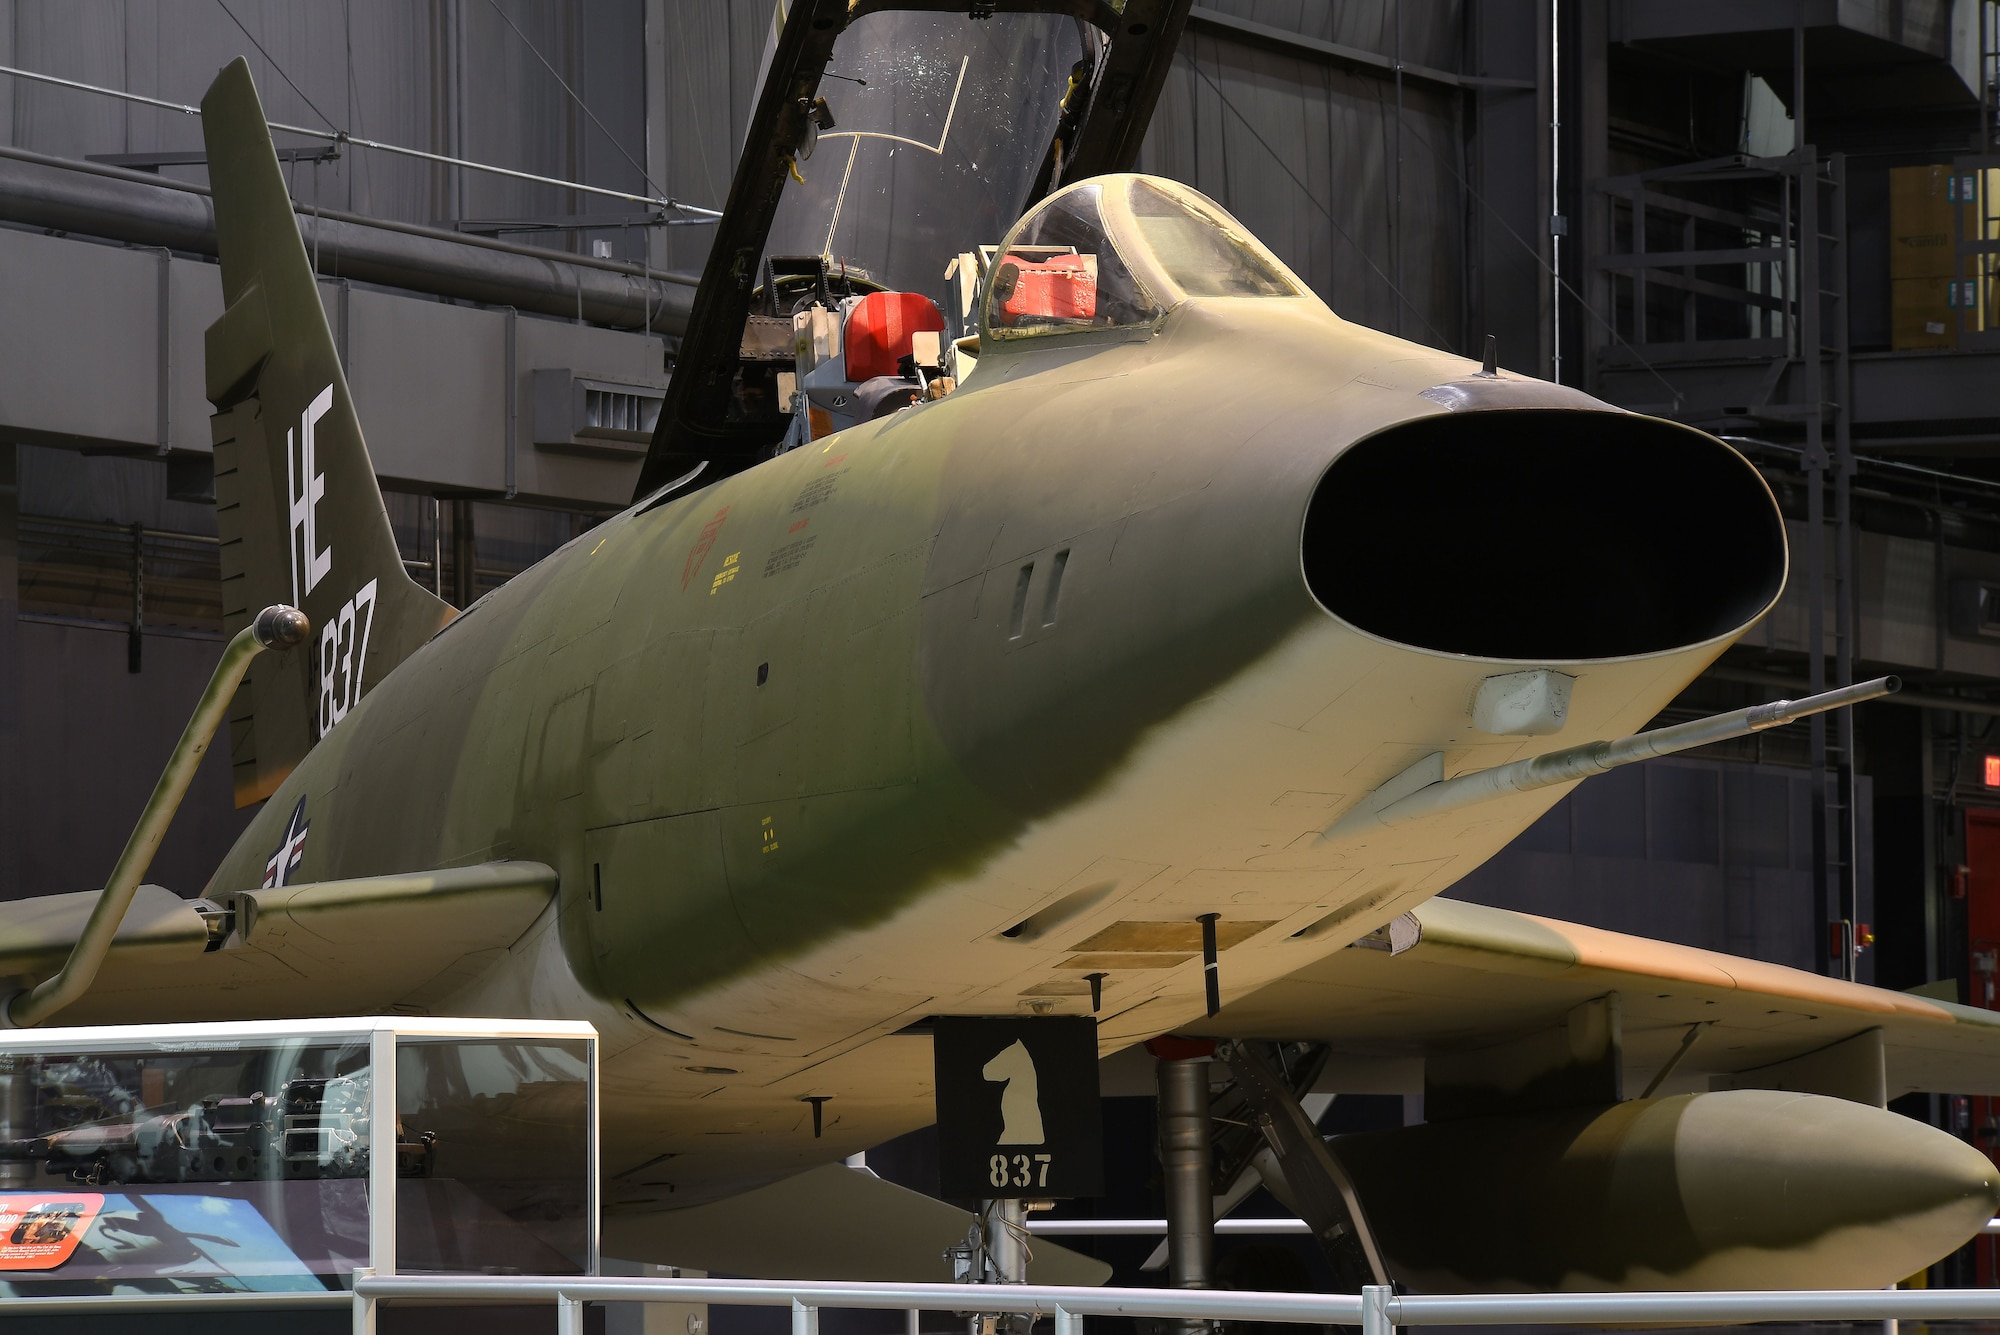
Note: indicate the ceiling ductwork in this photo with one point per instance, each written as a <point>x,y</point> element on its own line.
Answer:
<point>139,209</point>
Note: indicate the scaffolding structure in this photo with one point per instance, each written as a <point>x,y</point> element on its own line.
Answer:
<point>1743,261</point>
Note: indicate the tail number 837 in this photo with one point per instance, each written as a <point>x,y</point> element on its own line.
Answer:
<point>343,649</point>
<point>1019,1170</point>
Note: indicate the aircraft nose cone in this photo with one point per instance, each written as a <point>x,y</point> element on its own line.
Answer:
<point>1785,1190</point>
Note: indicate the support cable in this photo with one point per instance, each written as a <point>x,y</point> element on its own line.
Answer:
<point>1313,199</point>
<point>273,60</point>
<point>1548,268</point>
<point>1478,198</point>
<point>694,213</point>
<point>582,106</point>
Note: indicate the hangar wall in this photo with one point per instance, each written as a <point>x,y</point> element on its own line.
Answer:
<point>1316,160</point>
<point>1401,157</point>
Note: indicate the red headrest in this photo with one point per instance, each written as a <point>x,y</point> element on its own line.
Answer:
<point>879,329</point>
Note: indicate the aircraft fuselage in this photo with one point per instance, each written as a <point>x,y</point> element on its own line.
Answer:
<point>943,714</point>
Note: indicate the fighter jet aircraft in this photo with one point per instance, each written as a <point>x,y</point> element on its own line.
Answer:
<point>963,660</point>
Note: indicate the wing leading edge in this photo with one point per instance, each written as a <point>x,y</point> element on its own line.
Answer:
<point>329,948</point>
<point>1482,978</point>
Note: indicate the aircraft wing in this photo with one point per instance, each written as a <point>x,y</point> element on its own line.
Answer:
<point>1479,978</point>
<point>352,947</point>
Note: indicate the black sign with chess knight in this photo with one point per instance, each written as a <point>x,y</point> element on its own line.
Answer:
<point>1017,1107</point>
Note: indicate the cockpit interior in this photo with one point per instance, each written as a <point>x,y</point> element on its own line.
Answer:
<point>1113,255</point>
<point>921,187</point>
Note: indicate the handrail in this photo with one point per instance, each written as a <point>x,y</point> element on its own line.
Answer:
<point>1155,1228</point>
<point>1026,1299</point>
<point>1377,1309</point>
<point>278,627</point>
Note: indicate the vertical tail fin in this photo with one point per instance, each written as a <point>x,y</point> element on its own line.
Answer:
<point>301,516</point>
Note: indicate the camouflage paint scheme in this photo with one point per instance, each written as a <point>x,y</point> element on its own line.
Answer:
<point>817,751</point>
<point>1743,1189</point>
<point>789,869</point>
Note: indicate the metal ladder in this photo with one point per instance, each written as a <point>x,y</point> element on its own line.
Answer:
<point>1820,347</point>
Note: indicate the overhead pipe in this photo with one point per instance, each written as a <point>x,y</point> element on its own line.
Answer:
<point>277,627</point>
<point>135,207</point>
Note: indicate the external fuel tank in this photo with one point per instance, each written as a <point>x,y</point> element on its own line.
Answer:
<point>1738,1189</point>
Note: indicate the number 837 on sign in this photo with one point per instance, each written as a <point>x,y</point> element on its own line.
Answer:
<point>1019,1170</point>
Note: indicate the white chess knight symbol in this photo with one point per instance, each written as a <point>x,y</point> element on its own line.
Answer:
<point>1021,1100</point>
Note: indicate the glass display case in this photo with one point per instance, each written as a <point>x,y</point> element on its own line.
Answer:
<point>287,1155</point>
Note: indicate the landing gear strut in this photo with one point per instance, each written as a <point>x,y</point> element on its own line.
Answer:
<point>1187,1156</point>
<point>1313,1181</point>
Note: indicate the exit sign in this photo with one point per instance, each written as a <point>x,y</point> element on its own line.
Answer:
<point>1993,771</point>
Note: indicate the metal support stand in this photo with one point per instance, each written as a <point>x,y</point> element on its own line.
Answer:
<point>994,1252</point>
<point>1375,1309</point>
<point>1187,1157</point>
<point>1316,1184</point>
<point>1006,1240</point>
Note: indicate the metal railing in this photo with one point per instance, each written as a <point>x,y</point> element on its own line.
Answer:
<point>1116,1228</point>
<point>1157,1228</point>
<point>1377,1310</point>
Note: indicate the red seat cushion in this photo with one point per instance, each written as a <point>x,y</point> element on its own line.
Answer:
<point>879,329</point>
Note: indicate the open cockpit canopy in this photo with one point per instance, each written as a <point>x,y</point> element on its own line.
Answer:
<point>939,127</point>
<point>891,143</point>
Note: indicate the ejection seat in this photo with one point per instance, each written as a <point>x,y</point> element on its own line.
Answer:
<point>880,335</point>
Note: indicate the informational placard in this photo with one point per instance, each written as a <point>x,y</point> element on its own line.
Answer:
<point>1017,1107</point>
<point>39,1230</point>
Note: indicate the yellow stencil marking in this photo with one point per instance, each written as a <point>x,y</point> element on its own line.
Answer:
<point>600,542</point>
<point>770,836</point>
<point>727,573</point>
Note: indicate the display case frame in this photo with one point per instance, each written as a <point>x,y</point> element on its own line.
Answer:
<point>382,1036</point>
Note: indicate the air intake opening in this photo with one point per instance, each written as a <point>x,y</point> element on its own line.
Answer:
<point>1547,535</point>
